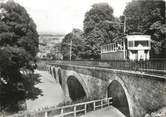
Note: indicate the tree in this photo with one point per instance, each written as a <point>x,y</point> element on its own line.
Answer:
<point>76,37</point>
<point>18,48</point>
<point>100,27</point>
<point>148,17</point>
<point>98,13</point>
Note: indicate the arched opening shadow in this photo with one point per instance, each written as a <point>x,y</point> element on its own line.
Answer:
<point>76,90</point>
<point>50,70</point>
<point>116,91</point>
<point>54,72</point>
<point>60,76</point>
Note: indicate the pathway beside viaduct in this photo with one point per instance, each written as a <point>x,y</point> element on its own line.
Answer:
<point>134,93</point>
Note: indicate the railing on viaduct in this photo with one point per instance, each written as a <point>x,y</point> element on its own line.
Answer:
<point>74,110</point>
<point>157,66</point>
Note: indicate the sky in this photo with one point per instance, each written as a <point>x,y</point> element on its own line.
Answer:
<point>61,16</point>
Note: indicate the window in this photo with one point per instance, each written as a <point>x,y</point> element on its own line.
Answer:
<point>143,43</point>
<point>131,43</point>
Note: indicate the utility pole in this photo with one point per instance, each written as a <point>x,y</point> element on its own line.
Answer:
<point>124,25</point>
<point>124,31</point>
<point>71,43</point>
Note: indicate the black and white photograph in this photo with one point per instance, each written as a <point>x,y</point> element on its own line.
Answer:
<point>82,58</point>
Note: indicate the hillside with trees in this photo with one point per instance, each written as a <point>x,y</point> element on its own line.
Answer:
<point>48,45</point>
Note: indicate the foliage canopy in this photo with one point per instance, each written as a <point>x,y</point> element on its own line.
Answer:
<point>18,48</point>
<point>148,17</point>
<point>100,27</point>
<point>77,44</point>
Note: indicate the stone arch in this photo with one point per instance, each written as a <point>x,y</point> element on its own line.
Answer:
<point>54,72</point>
<point>76,88</point>
<point>121,100</point>
<point>60,76</point>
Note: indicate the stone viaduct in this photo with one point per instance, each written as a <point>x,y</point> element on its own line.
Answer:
<point>134,93</point>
